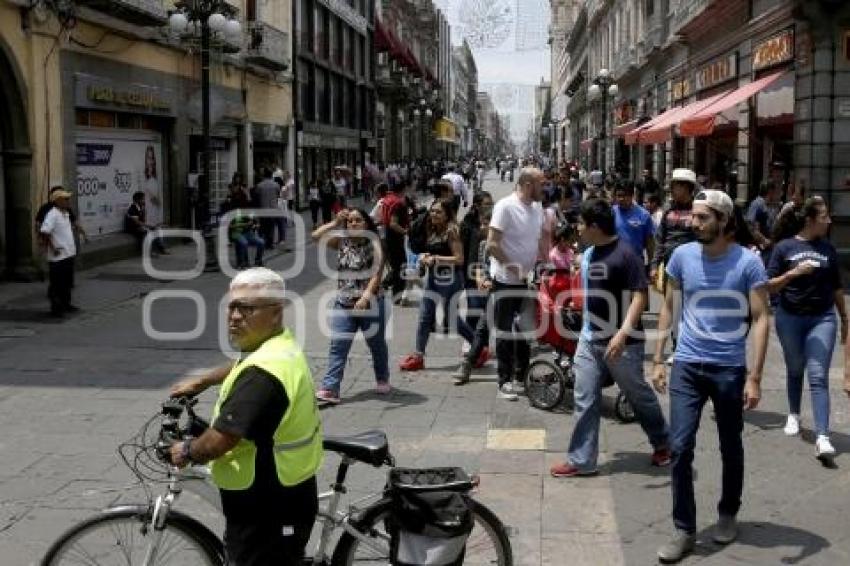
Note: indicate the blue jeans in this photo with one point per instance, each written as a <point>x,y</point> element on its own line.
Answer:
<point>344,324</point>
<point>241,243</point>
<point>445,287</point>
<point>691,385</point>
<point>807,343</point>
<point>627,370</point>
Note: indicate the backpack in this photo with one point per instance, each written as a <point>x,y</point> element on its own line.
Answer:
<point>417,236</point>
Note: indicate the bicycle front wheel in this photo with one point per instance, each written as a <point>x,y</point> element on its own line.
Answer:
<point>123,536</point>
<point>488,544</point>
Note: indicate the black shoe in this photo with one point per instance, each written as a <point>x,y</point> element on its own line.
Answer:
<point>72,308</point>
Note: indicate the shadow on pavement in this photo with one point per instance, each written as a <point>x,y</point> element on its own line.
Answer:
<point>765,535</point>
<point>396,399</point>
<point>636,463</point>
<point>768,420</point>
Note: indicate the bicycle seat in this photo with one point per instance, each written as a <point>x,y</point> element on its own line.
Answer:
<point>370,446</point>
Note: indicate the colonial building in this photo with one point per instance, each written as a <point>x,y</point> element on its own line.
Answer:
<point>336,87</point>
<point>464,94</point>
<point>563,17</point>
<point>739,90</point>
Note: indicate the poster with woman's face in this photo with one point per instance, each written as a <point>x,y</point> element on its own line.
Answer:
<point>109,170</point>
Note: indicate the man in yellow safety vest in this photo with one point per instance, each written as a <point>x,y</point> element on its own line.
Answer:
<point>265,441</point>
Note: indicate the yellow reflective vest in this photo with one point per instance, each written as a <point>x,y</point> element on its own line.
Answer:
<point>298,438</point>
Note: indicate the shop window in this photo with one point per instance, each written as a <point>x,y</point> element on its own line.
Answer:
<point>100,119</point>
<point>129,121</point>
<point>81,117</point>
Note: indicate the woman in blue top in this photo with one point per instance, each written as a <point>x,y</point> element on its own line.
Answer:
<point>804,271</point>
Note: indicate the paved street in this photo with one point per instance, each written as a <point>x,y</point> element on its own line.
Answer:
<point>70,392</point>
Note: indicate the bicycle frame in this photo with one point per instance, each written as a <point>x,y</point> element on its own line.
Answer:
<point>198,480</point>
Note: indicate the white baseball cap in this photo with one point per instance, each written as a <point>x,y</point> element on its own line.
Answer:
<point>685,175</point>
<point>717,200</point>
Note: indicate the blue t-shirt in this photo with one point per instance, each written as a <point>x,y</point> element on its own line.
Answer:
<point>635,226</point>
<point>716,308</point>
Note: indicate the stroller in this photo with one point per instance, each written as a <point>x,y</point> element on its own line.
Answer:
<point>550,373</point>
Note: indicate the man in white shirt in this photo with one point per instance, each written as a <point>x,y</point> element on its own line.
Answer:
<point>514,243</point>
<point>458,186</point>
<point>61,251</point>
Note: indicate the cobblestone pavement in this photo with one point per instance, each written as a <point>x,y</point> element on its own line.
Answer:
<point>71,391</point>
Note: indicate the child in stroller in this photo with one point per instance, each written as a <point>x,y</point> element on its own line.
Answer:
<point>559,305</point>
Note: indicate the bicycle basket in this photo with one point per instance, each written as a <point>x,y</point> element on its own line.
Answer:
<point>431,516</point>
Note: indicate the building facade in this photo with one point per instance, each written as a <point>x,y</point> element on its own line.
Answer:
<point>739,90</point>
<point>563,19</point>
<point>104,99</point>
<point>464,93</point>
<point>336,87</point>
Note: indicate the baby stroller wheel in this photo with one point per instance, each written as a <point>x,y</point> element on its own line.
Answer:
<point>545,384</point>
<point>623,409</point>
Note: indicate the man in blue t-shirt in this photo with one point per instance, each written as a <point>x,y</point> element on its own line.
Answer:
<point>634,223</point>
<point>611,343</point>
<point>724,294</point>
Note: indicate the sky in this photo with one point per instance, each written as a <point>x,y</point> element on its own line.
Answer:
<point>509,41</point>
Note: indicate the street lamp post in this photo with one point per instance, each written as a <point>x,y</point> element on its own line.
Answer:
<point>603,86</point>
<point>210,16</point>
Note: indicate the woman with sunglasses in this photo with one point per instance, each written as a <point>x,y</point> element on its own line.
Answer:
<point>444,279</point>
<point>359,304</point>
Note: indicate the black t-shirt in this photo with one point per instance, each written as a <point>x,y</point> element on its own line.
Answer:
<point>134,210</point>
<point>253,411</point>
<point>45,208</point>
<point>610,273</point>
<point>811,294</point>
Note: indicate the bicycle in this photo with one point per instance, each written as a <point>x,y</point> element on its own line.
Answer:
<point>155,533</point>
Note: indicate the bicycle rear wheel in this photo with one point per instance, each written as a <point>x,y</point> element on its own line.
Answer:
<point>488,544</point>
<point>545,384</point>
<point>124,536</point>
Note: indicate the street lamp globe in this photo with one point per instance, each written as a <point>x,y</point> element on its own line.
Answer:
<point>233,31</point>
<point>217,22</point>
<point>613,90</point>
<point>428,113</point>
<point>604,73</point>
<point>416,112</point>
<point>178,22</point>
<point>593,92</point>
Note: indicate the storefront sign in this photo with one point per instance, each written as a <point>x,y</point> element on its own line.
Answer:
<point>104,94</point>
<point>778,49</point>
<point>680,89</point>
<point>110,169</point>
<point>271,133</point>
<point>717,72</point>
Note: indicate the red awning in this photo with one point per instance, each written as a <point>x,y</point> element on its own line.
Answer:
<point>662,129</point>
<point>383,40</point>
<point>411,63</point>
<point>702,123</point>
<point>623,129</point>
<point>585,145</point>
<point>632,137</point>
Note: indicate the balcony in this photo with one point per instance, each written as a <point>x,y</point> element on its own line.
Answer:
<point>267,46</point>
<point>138,12</point>
<point>687,11</point>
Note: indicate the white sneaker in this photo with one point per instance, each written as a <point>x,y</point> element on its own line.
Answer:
<point>506,391</point>
<point>464,348</point>
<point>792,425</point>
<point>669,360</point>
<point>825,450</point>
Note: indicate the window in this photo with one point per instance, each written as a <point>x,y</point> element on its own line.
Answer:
<point>338,99</point>
<point>306,29</point>
<point>339,43</point>
<point>322,107</point>
<point>100,119</point>
<point>361,56</point>
<point>306,91</point>
<point>351,104</point>
<point>251,10</point>
<point>650,7</point>
<point>348,51</point>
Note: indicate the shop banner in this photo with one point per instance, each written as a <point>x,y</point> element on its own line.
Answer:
<point>109,171</point>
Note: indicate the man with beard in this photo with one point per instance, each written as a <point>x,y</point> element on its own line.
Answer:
<point>724,293</point>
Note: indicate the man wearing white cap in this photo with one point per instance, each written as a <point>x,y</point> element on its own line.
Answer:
<point>61,251</point>
<point>724,294</point>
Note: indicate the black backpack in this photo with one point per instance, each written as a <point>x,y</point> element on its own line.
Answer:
<point>417,236</point>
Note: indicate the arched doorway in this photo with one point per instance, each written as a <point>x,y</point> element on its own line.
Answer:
<point>16,234</point>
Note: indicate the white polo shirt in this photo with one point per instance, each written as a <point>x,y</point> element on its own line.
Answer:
<point>57,225</point>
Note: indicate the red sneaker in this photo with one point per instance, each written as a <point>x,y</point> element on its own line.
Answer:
<point>567,470</point>
<point>483,357</point>
<point>661,457</point>
<point>413,362</point>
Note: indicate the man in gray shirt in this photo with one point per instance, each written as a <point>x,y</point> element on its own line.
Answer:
<point>267,193</point>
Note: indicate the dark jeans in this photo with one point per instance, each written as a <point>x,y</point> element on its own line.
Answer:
<point>481,335</point>
<point>511,302</point>
<point>267,228</point>
<point>314,211</point>
<point>327,211</point>
<point>241,242</point>
<point>396,259</point>
<point>141,233</point>
<point>691,385</point>
<point>60,283</point>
